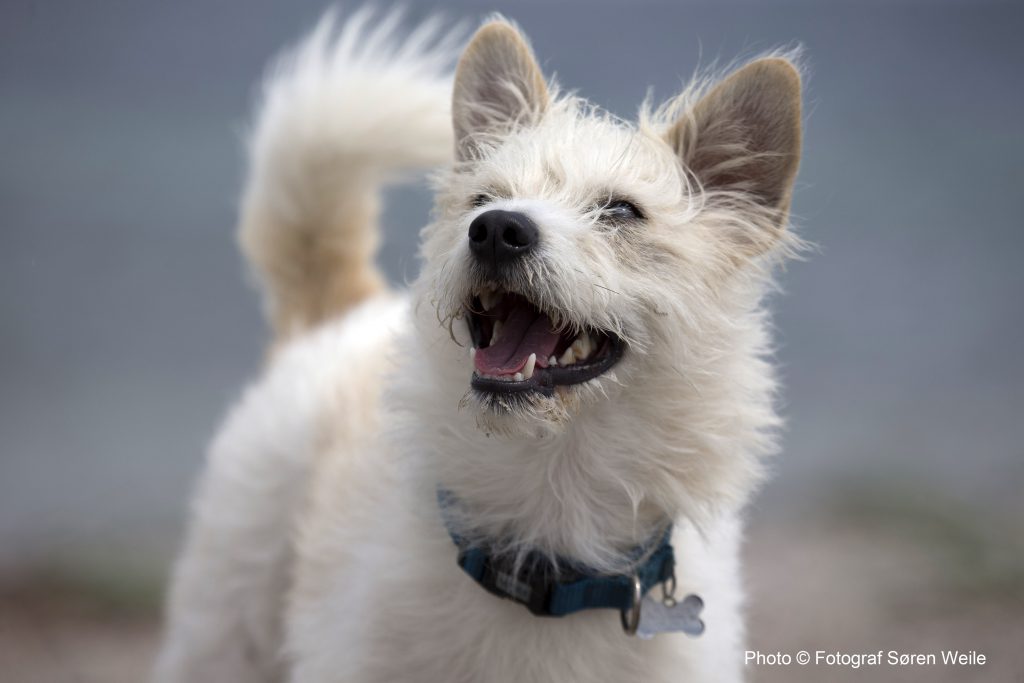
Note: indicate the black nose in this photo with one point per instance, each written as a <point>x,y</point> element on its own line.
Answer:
<point>497,238</point>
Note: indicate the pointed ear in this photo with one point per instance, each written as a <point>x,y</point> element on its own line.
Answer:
<point>745,134</point>
<point>498,85</point>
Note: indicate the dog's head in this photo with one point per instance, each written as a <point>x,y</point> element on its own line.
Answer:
<point>584,255</point>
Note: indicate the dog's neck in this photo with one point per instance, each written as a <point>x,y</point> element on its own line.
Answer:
<point>602,486</point>
<point>681,447</point>
<point>550,494</point>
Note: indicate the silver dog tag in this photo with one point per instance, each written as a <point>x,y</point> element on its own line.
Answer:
<point>664,616</point>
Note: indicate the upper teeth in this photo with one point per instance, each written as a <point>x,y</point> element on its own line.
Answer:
<point>490,298</point>
<point>496,333</point>
<point>582,346</point>
<point>580,350</point>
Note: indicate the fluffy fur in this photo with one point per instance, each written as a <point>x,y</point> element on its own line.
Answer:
<point>317,551</point>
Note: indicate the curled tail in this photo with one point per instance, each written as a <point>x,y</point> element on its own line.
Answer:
<point>340,114</point>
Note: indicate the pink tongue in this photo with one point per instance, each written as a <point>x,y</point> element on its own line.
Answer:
<point>525,331</point>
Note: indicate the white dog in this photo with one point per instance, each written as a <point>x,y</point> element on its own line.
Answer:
<point>479,480</point>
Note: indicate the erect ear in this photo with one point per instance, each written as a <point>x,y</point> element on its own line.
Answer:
<point>498,86</point>
<point>745,134</point>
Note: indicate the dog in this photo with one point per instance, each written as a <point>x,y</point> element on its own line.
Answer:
<point>543,450</point>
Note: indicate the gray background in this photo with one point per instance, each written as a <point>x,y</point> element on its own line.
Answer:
<point>126,326</point>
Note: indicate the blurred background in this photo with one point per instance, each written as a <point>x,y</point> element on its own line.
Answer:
<point>895,519</point>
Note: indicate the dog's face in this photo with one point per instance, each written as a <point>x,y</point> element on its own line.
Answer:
<point>584,255</point>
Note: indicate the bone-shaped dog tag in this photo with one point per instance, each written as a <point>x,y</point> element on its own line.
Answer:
<point>657,616</point>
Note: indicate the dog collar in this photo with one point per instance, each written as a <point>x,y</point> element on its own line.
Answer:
<point>550,591</point>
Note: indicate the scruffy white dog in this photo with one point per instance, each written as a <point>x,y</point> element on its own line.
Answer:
<point>476,481</point>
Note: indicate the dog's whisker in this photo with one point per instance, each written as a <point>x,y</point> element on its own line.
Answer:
<point>607,289</point>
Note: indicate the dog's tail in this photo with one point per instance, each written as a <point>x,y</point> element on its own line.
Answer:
<point>341,114</point>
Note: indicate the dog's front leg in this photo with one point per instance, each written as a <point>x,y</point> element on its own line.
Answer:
<point>224,619</point>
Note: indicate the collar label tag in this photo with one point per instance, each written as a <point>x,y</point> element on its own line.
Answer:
<point>665,616</point>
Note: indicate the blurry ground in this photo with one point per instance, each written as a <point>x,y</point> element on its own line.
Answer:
<point>913,580</point>
<point>893,572</point>
<point>61,629</point>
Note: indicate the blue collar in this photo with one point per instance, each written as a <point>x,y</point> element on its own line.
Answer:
<point>554,592</point>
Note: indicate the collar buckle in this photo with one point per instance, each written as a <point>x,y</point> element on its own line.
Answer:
<point>531,589</point>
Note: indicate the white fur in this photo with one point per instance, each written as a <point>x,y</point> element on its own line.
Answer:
<point>317,551</point>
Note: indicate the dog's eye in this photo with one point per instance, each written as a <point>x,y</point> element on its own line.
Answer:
<point>620,210</point>
<point>479,200</point>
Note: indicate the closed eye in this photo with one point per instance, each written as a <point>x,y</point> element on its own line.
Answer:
<point>620,211</point>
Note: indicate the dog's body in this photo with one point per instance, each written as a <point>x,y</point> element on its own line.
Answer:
<point>319,551</point>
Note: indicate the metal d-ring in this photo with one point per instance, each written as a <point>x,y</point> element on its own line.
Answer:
<point>668,591</point>
<point>630,617</point>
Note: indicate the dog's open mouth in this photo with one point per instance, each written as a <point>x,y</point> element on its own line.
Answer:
<point>516,347</point>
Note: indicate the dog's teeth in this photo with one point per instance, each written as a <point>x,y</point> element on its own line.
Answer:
<point>518,377</point>
<point>490,298</point>
<point>496,333</point>
<point>531,362</point>
<point>582,346</point>
<point>568,358</point>
<point>552,361</point>
<point>472,353</point>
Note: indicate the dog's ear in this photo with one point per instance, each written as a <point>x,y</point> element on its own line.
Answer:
<point>745,134</point>
<point>498,86</point>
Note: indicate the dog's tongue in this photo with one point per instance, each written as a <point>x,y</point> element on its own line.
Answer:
<point>526,330</point>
